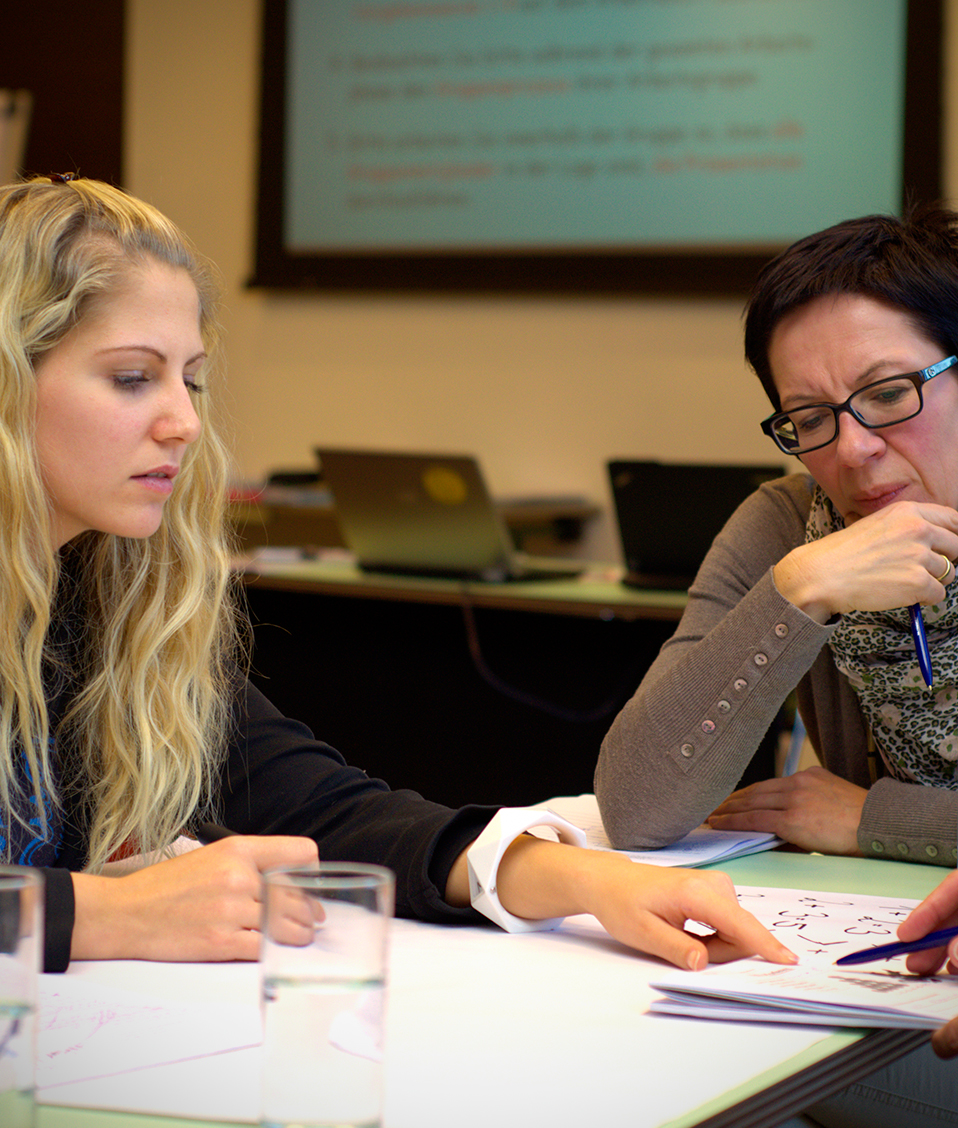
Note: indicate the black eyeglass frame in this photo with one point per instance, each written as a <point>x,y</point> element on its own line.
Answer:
<point>922,376</point>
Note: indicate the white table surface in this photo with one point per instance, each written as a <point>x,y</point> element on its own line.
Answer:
<point>488,1029</point>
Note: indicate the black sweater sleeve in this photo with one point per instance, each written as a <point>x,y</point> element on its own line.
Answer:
<point>279,779</point>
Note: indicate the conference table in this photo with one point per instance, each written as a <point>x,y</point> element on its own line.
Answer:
<point>548,1029</point>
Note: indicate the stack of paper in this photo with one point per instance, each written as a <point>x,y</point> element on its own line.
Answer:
<point>819,928</point>
<point>756,991</point>
<point>697,848</point>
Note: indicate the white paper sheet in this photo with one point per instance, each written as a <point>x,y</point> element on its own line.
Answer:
<point>90,1030</point>
<point>149,1037</point>
<point>698,848</point>
<point>819,928</point>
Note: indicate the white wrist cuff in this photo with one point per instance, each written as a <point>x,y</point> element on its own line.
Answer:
<point>485,854</point>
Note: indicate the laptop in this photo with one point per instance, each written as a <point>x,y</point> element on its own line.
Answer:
<point>425,515</point>
<point>669,514</point>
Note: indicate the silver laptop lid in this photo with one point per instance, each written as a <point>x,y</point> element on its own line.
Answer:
<point>417,513</point>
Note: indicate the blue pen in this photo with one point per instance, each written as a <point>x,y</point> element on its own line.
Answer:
<point>886,951</point>
<point>921,643</point>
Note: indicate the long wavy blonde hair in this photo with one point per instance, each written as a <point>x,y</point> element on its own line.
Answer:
<point>145,734</point>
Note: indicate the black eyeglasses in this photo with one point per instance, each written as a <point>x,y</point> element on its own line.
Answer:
<point>882,404</point>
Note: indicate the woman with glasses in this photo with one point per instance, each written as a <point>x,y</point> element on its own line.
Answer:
<point>816,581</point>
<point>814,585</point>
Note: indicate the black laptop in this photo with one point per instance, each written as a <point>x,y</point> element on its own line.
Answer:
<point>669,514</point>
<point>426,515</point>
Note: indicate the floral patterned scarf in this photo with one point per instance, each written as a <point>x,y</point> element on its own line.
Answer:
<point>915,728</point>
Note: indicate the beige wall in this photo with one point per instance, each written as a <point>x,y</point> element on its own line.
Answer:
<point>543,390</point>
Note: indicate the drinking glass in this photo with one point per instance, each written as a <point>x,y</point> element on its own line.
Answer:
<point>324,951</point>
<point>21,944</point>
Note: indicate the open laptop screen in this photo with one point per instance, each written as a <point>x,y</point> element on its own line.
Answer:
<point>669,514</point>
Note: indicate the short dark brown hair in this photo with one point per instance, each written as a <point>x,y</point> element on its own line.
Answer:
<point>911,263</point>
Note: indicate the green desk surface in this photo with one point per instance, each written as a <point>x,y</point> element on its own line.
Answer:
<point>787,869</point>
<point>596,593</point>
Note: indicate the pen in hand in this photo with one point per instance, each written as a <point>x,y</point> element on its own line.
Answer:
<point>921,643</point>
<point>886,951</point>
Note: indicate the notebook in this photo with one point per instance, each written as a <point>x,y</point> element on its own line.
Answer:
<point>669,514</point>
<point>426,515</point>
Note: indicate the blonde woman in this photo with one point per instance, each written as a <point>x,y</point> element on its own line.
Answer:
<point>125,716</point>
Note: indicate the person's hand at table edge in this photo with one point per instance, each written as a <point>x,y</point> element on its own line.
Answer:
<point>938,910</point>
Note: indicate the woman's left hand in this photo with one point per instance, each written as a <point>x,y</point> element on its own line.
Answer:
<point>813,809</point>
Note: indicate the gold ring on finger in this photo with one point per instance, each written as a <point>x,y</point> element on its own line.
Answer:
<point>948,566</point>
